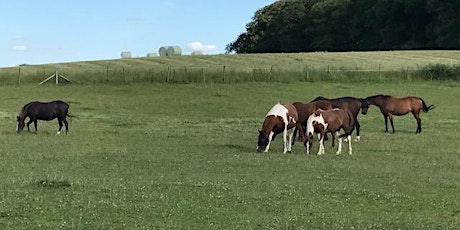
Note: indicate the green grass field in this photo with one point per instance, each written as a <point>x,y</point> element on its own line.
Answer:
<point>317,66</point>
<point>171,156</point>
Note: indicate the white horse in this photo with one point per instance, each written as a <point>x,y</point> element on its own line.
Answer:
<point>280,118</point>
<point>333,120</point>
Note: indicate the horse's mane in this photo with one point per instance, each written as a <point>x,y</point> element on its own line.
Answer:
<point>24,108</point>
<point>378,95</point>
<point>319,98</point>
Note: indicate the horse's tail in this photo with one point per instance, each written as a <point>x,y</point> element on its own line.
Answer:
<point>426,108</point>
<point>71,117</point>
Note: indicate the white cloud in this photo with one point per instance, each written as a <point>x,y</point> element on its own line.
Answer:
<point>198,46</point>
<point>18,37</point>
<point>18,48</point>
<point>136,19</point>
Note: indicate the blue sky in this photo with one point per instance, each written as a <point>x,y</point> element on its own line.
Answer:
<point>53,31</point>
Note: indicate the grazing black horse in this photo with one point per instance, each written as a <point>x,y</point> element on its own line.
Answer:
<point>351,104</point>
<point>45,111</point>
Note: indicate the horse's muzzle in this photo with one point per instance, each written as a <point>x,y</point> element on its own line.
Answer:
<point>261,148</point>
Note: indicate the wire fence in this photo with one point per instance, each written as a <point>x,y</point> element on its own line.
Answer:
<point>222,74</point>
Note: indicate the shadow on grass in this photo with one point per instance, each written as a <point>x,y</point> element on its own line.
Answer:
<point>52,184</point>
<point>239,148</point>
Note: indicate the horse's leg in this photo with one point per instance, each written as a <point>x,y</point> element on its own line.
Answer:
<point>291,138</point>
<point>285,139</point>
<point>358,128</point>
<point>66,125</point>
<point>386,122</point>
<point>333,140</point>
<point>391,122</point>
<point>35,125</point>
<point>28,123</point>
<point>350,150</point>
<point>270,138</point>
<point>321,144</point>
<point>339,150</point>
<point>294,134</point>
<point>419,122</point>
<point>60,126</point>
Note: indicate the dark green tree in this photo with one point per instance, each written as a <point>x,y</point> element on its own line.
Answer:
<point>443,31</point>
<point>343,25</point>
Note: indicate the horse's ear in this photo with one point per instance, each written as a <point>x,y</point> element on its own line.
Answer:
<point>259,131</point>
<point>17,118</point>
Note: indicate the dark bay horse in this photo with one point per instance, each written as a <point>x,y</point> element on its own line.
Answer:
<point>45,111</point>
<point>333,120</point>
<point>305,110</point>
<point>352,104</point>
<point>281,118</point>
<point>392,106</point>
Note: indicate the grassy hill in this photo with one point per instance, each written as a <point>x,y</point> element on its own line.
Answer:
<point>211,67</point>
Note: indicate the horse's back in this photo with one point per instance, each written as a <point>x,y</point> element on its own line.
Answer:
<point>338,116</point>
<point>45,110</point>
<point>292,111</point>
<point>304,110</point>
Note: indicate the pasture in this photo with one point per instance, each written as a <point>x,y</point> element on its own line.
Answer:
<point>171,156</point>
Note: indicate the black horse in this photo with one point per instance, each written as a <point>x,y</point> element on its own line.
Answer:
<point>45,111</point>
<point>352,104</point>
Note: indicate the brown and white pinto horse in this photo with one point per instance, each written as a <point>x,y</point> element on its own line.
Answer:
<point>282,118</point>
<point>390,106</point>
<point>352,104</point>
<point>333,121</point>
<point>305,110</point>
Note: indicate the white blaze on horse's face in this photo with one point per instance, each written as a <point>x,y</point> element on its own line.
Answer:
<point>17,126</point>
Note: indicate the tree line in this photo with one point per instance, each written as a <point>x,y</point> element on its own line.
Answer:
<point>351,25</point>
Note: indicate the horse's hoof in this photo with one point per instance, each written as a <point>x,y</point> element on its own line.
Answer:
<point>58,133</point>
<point>358,138</point>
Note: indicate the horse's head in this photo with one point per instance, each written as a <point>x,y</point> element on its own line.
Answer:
<point>263,142</point>
<point>19,124</point>
<point>364,106</point>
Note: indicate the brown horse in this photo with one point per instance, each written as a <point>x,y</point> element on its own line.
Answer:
<point>352,104</point>
<point>305,110</point>
<point>392,106</point>
<point>281,118</point>
<point>333,121</point>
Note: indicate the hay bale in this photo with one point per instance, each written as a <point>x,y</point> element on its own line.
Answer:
<point>152,54</point>
<point>163,51</point>
<point>125,54</point>
<point>196,53</point>
<point>174,51</point>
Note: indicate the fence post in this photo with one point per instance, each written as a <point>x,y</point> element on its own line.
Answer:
<point>223,74</point>
<point>407,73</point>
<point>19,76</point>
<point>169,74</point>
<point>123,71</point>
<point>187,77</point>
<point>307,73</point>
<point>202,74</point>
<point>107,74</point>
<point>270,74</point>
